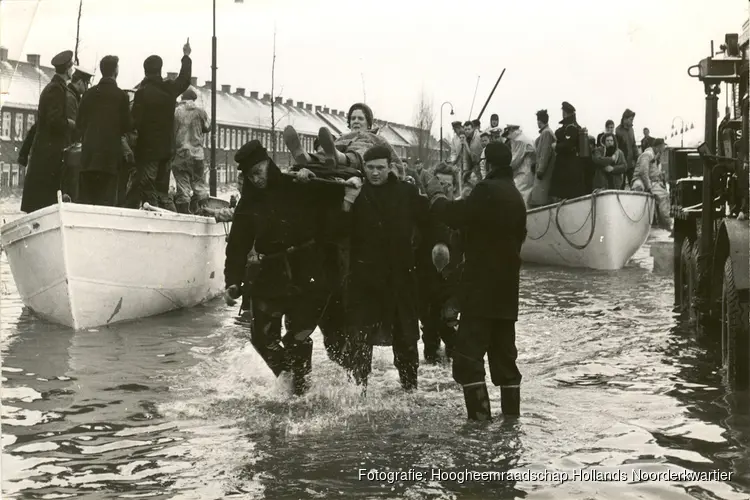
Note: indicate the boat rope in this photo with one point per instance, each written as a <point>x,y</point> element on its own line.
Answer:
<point>645,209</point>
<point>592,215</point>
<point>549,224</point>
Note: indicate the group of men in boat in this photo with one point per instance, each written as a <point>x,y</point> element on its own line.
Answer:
<point>567,163</point>
<point>126,151</point>
<point>345,242</point>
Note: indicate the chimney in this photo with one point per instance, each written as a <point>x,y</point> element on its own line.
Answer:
<point>334,112</point>
<point>290,102</point>
<point>207,85</point>
<point>279,100</point>
<point>308,107</point>
<point>300,105</point>
<point>226,88</point>
<point>194,81</point>
<point>170,75</point>
<point>342,113</point>
<point>326,110</point>
<point>3,54</point>
<point>240,91</point>
<point>267,97</point>
<point>34,59</point>
<point>254,94</point>
<point>318,109</point>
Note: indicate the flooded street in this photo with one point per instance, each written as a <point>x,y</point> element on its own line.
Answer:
<point>181,406</point>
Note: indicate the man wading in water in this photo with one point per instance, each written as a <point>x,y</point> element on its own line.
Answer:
<point>493,221</point>
<point>275,260</point>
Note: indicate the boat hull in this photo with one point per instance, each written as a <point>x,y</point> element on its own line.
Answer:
<point>85,266</point>
<point>563,234</point>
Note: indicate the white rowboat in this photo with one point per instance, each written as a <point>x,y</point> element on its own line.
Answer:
<point>85,266</point>
<point>598,231</point>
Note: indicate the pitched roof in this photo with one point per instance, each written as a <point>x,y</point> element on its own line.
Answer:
<point>22,82</point>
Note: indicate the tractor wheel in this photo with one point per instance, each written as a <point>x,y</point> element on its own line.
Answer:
<point>734,331</point>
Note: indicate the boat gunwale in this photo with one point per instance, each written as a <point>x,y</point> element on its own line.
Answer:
<point>606,192</point>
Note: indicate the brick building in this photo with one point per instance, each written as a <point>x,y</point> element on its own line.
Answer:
<point>241,116</point>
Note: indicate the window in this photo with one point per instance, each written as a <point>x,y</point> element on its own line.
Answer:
<point>5,131</point>
<point>234,140</point>
<point>223,138</point>
<point>30,120</point>
<point>18,129</point>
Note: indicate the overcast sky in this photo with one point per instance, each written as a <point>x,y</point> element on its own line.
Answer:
<point>602,56</point>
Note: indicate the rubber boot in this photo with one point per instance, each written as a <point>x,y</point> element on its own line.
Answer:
<point>510,401</point>
<point>291,139</point>
<point>301,362</point>
<point>408,379</point>
<point>183,208</point>
<point>477,401</point>
<point>431,355</point>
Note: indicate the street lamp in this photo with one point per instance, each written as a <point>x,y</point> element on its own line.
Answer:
<point>682,129</point>
<point>212,170</point>
<point>441,127</point>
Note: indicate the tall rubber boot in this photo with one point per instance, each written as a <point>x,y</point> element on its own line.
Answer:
<point>510,402</point>
<point>301,362</point>
<point>477,401</point>
<point>408,379</point>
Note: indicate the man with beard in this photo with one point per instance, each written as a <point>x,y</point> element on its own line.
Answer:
<point>568,177</point>
<point>54,132</point>
<point>104,118</point>
<point>626,142</point>
<point>492,220</point>
<point>381,222</point>
<point>610,164</point>
<point>153,117</point>
<point>274,256</point>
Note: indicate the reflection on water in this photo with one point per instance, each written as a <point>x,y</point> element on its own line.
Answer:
<point>180,406</point>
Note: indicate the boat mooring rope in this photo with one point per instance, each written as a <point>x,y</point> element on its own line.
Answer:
<point>645,210</point>
<point>549,223</point>
<point>592,215</point>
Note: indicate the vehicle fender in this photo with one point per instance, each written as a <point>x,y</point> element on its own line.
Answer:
<point>733,241</point>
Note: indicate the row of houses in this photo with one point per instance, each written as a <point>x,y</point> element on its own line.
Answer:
<point>240,115</point>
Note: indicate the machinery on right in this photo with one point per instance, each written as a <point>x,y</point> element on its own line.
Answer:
<point>709,190</point>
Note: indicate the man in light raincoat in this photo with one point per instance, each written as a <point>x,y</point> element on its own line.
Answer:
<point>523,157</point>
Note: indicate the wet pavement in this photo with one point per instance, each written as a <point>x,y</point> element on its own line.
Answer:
<point>180,406</point>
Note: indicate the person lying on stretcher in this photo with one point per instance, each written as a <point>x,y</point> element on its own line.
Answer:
<point>346,151</point>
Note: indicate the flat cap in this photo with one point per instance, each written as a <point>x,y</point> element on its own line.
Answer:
<point>249,154</point>
<point>497,154</point>
<point>658,142</point>
<point>567,107</point>
<point>63,59</point>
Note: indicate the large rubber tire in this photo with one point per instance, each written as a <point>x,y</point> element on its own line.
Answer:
<point>685,256</point>
<point>734,332</point>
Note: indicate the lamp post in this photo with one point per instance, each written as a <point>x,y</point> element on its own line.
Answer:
<point>441,127</point>
<point>212,171</point>
<point>682,129</point>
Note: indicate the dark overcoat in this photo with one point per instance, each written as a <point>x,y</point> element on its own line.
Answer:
<point>55,126</point>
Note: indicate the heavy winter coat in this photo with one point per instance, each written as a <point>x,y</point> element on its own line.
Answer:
<point>568,178</point>
<point>545,165</point>
<point>103,117</point>
<point>603,158</point>
<point>626,142</point>
<point>153,113</point>
<point>274,219</point>
<point>55,126</point>
<point>360,142</point>
<point>493,222</point>
<point>382,284</point>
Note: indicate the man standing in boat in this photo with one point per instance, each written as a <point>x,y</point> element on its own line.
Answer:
<point>190,123</point>
<point>544,146</point>
<point>648,177</point>
<point>153,117</point>
<point>104,118</point>
<point>493,221</point>
<point>54,132</point>
<point>626,142</point>
<point>274,259</point>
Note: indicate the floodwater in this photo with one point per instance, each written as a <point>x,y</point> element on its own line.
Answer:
<point>180,406</point>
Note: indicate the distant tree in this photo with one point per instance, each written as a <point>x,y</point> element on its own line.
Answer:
<point>424,118</point>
